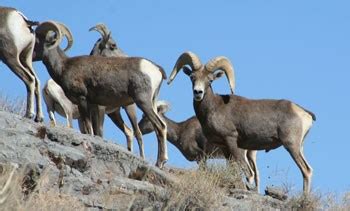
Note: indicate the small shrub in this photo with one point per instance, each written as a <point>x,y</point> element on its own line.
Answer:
<point>203,188</point>
<point>40,198</point>
<point>13,105</point>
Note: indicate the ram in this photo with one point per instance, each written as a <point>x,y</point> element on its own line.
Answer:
<point>56,101</point>
<point>89,81</point>
<point>188,137</point>
<point>233,122</point>
<point>17,41</point>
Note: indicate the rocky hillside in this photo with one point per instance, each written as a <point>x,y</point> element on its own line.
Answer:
<point>59,168</point>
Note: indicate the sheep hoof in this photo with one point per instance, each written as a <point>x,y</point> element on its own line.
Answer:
<point>160,164</point>
<point>52,123</point>
<point>29,115</point>
<point>39,119</point>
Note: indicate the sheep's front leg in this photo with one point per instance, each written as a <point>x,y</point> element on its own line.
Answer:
<point>97,117</point>
<point>236,154</point>
<point>85,115</point>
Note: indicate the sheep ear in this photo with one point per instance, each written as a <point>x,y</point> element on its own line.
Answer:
<point>187,70</point>
<point>218,74</point>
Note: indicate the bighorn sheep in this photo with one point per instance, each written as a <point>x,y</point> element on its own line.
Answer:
<point>188,137</point>
<point>56,100</point>
<point>107,47</point>
<point>17,41</point>
<point>89,81</point>
<point>232,121</point>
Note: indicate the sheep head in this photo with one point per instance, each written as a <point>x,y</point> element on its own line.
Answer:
<point>48,36</point>
<point>105,46</point>
<point>203,75</point>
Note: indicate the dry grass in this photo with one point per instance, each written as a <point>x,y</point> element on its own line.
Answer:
<point>320,201</point>
<point>203,188</point>
<point>13,105</point>
<point>34,196</point>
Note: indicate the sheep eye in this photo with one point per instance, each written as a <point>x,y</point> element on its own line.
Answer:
<point>113,46</point>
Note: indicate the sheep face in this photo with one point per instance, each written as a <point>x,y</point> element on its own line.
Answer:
<point>48,36</point>
<point>105,46</point>
<point>201,80</point>
<point>42,42</point>
<point>108,48</point>
<point>203,75</point>
<point>145,125</point>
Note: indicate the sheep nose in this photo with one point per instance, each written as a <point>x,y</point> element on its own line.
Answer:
<point>197,92</point>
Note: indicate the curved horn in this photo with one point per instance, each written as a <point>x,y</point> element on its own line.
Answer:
<point>187,58</point>
<point>102,29</point>
<point>47,26</point>
<point>67,33</point>
<point>224,64</point>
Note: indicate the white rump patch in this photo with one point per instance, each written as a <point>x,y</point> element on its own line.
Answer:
<point>148,68</point>
<point>19,30</point>
<point>305,117</point>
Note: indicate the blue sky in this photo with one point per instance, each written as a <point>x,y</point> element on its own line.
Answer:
<point>296,50</point>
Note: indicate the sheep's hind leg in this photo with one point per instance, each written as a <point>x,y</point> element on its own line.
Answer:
<point>160,129</point>
<point>27,55</point>
<point>131,112</point>
<point>13,62</point>
<point>305,168</point>
<point>117,119</point>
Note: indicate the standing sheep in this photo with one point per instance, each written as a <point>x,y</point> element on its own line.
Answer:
<point>188,137</point>
<point>17,41</point>
<point>234,122</point>
<point>56,100</point>
<point>89,81</point>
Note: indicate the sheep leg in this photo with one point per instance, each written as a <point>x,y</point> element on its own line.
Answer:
<point>251,156</point>
<point>13,62</point>
<point>160,128</point>
<point>69,119</point>
<point>98,114</point>
<point>52,118</point>
<point>117,119</point>
<point>81,126</point>
<point>131,112</point>
<point>50,109</point>
<point>237,155</point>
<point>306,170</point>
<point>27,55</point>
<point>67,110</point>
<point>85,114</point>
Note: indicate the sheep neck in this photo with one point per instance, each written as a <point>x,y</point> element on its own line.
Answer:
<point>207,105</point>
<point>54,60</point>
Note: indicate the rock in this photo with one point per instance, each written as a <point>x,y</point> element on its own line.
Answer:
<point>276,193</point>
<point>249,200</point>
<point>105,177</point>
